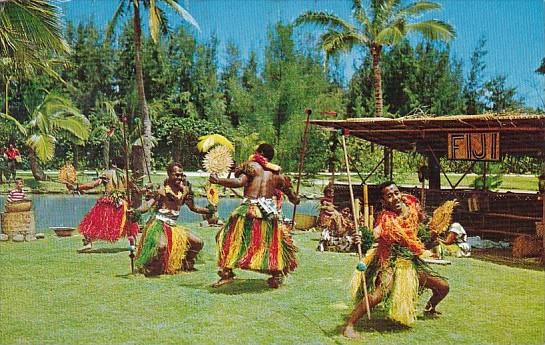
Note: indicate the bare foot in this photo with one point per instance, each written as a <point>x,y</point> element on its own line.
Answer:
<point>349,332</point>
<point>223,281</point>
<point>274,282</point>
<point>85,248</point>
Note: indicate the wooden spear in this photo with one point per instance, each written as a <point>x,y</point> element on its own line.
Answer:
<point>301,163</point>
<point>127,189</point>
<point>360,255</point>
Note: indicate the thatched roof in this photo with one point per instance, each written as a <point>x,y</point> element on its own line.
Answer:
<point>521,134</point>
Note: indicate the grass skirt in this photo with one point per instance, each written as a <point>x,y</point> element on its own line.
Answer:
<point>107,221</point>
<point>162,256</point>
<point>249,241</point>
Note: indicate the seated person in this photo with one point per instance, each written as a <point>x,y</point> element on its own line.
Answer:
<point>17,194</point>
<point>455,242</point>
<point>340,239</point>
<point>329,217</point>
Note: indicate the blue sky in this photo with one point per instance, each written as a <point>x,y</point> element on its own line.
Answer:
<point>514,29</point>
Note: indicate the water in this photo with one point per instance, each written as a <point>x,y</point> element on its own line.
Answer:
<point>67,210</point>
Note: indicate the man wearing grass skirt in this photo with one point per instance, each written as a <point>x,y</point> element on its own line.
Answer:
<point>254,237</point>
<point>395,270</point>
<point>166,247</point>
<point>107,220</point>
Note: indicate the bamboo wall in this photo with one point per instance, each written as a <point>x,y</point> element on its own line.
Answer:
<point>498,216</point>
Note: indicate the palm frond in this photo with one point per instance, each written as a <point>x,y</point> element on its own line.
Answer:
<point>43,145</point>
<point>433,29</point>
<point>119,13</point>
<point>32,24</point>
<point>391,35</point>
<point>335,41</point>
<point>206,142</point>
<point>323,19</point>
<point>183,13</point>
<point>418,8</point>
<point>13,120</point>
<point>155,22</point>
<point>78,126</point>
<point>40,122</point>
<point>360,14</point>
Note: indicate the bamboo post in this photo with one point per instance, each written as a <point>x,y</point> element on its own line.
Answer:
<point>360,255</point>
<point>371,217</point>
<point>366,206</point>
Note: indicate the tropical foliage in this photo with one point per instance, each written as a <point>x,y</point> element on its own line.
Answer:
<point>200,87</point>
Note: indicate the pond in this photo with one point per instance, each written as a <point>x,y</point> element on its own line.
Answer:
<point>68,210</point>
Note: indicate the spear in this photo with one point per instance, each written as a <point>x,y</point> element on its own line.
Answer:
<point>301,163</point>
<point>127,189</point>
<point>360,255</point>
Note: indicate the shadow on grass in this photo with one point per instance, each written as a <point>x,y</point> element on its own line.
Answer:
<point>105,251</point>
<point>240,286</point>
<point>379,323</point>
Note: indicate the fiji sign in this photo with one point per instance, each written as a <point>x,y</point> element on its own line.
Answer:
<point>474,146</point>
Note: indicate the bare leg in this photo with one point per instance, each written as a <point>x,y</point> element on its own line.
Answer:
<point>439,288</point>
<point>195,246</point>
<point>226,277</point>
<point>375,298</point>
<point>275,280</point>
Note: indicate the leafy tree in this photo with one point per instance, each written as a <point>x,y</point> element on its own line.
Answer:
<point>54,116</point>
<point>30,30</point>
<point>473,89</point>
<point>499,97</point>
<point>90,67</point>
<point>205,92</point>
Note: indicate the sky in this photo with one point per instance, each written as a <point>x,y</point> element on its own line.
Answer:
<point>514,30</point>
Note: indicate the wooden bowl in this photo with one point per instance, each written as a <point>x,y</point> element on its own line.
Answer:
<point>63,231</point>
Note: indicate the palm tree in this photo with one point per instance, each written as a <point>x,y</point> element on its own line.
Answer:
<point>387,23</point>
<point>53,117</point>
<point>30,30</point>
<point>157,24</point>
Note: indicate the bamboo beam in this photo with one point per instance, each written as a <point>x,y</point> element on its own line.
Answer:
<point>449,129</point>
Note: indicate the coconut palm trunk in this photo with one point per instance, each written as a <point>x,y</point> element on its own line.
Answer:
<point>377,79</point>
<point>35,166</point>
<point>142,104</point>
<point>376,51</point>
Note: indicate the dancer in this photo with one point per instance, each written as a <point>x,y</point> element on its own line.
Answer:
<point>165,247</point>
<point>107,220</point>
<point>254,237</point>
<point>396,269</point>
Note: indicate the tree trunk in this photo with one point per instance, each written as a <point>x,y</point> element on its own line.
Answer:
<point>35,167</point>
<point>106,153</point>
<point>142,104</point>
<point>377,78</point>
<point>137,172</point>
<point>377,85</point>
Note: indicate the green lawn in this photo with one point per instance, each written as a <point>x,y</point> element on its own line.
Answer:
<point>51,295</point>
<point>310,187</point>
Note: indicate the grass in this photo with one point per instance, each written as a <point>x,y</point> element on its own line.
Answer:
<point>52,295</point>
<point>309,187</point>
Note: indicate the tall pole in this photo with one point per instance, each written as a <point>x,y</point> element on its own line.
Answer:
<point>356,216</point>
<point>127,188</point>
<point>301,163</point>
